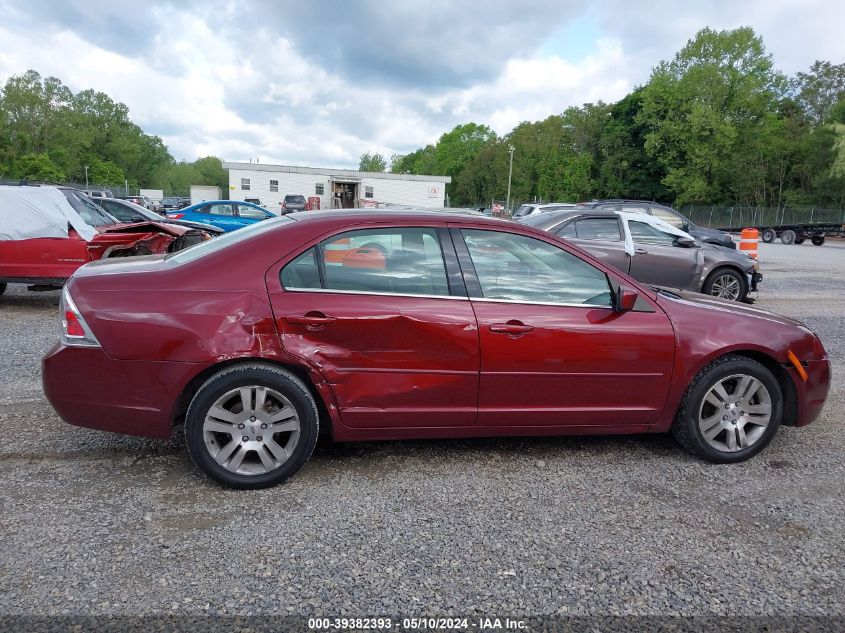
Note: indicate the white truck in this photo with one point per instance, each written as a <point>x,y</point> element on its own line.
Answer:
<point>202,193</point>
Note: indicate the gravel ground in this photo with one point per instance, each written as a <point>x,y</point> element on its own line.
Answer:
<point>96,523</point>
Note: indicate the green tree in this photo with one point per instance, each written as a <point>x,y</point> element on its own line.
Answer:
<point>105,172</point>
<point>696,108</point>
<point>820,89</point>
<point>372,162</point>
<point>38,167</point>
<point>457,147</point>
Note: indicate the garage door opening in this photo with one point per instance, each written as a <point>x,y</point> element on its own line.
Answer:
<point>345,194</point>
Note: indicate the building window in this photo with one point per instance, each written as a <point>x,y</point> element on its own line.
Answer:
<point>274,185</point>
<point>245,184</point>
<point>319,189</point>
<point>368,192</point>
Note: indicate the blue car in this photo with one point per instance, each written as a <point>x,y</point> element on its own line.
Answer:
<point>225,214</point>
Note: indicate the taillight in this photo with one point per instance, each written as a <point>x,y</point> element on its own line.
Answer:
<point>75,331</point>
<point>175,216</point>
<point>284,205</point>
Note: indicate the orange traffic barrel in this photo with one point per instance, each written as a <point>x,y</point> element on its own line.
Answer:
<point>337,250</point>
<point>748,241</point>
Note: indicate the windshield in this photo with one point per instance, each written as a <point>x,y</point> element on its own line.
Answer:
<point>170,200</point>
<point>130,212</point>
<point>226,240</point>
<point>524,210</point>
<point>87,210</point>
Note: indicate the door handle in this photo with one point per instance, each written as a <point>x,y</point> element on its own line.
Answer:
<point>641,251</point>
<point>312,319</point>
<point>511,327</point>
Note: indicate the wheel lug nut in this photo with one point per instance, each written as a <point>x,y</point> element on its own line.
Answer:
<point>259,438</point>
<point>240,426</point>
<point>245,438</point>
<point>724,417</point>
<point>252,418</point>
<point>263,426</point>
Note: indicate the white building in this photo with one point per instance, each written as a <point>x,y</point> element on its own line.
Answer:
<point>336,188</point>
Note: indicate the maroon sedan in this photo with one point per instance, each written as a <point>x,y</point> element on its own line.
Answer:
<point>388,325</point>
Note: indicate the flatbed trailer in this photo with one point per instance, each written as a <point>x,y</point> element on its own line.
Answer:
<point>796,233</point>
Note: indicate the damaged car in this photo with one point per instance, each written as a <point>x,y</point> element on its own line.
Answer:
<point>47,232</point>
<point>655,252</point>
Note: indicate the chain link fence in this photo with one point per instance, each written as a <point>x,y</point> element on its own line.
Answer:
<point>740,217</point>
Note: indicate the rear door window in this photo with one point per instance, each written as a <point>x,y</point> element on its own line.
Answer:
<point>403,261</point>
<point>606,229</point>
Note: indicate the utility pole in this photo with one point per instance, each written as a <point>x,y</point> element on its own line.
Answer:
<point>86,176</point>
<point>510,173</point>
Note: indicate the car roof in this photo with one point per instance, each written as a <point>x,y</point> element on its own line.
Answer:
<point>405,216</point>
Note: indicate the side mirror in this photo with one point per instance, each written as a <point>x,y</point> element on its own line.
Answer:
<point>685,242</point>
<point>624,299</point>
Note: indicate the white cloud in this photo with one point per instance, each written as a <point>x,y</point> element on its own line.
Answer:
<point>208,85</point>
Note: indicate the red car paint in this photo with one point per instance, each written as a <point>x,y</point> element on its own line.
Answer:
<point>55,259</point>
<point>389,367</point>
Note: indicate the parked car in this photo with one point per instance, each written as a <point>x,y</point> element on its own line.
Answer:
<point>98,193</point>
<point>528,210</point>
<point>47,232</point>
<point>126,211</point>
<point>667,214</point>
<point>225,214</point>
<point>391,325</point>
<point>142,201</point>
<point>654,252</point>
<point>174,203</point>
<point>293,203</point>
<point>255,201</point>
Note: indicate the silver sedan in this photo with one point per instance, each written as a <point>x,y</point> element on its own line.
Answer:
<point>654,252</point>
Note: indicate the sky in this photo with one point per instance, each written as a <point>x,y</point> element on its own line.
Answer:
<point>319,82</point>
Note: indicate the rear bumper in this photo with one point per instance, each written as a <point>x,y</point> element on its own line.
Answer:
<point>812,393</point>
<point>88,388</point>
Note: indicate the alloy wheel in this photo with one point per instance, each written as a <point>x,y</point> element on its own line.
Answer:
<point>726,287</point>
<point>251,430</point>
<point>734,413</point>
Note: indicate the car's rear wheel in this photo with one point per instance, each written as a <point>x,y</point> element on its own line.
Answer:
<point>726,283</point>
<point>768,235</point>
<point>730,411</point>
<point>252,425</point>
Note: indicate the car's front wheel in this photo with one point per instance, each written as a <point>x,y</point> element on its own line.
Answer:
<point>726,283</point>
<point>252,425</point>
<point>730,411</point>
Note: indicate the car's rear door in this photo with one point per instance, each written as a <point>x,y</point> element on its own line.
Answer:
<point>222,215</point>
<point>553,351</point>
<point>383,314</point>
<point>601,237</point>
<point>659,259</point>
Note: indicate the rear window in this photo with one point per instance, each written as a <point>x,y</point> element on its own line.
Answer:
<point>294,198</point>
<point>524,210</point>
<point>225,241</point>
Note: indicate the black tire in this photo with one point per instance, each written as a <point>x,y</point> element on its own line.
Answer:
<point>722,272</point>
<point>788,237</point>
<point>252,374</point>
<point>685,427</point>
<point>768,235</point>
<point>800,240</point>
<point>2,287</point>
<point>817,240</point>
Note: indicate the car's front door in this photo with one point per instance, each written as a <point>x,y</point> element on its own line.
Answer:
<point>376,313</point>
<point>659,258</point>
<point>553,351</point>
